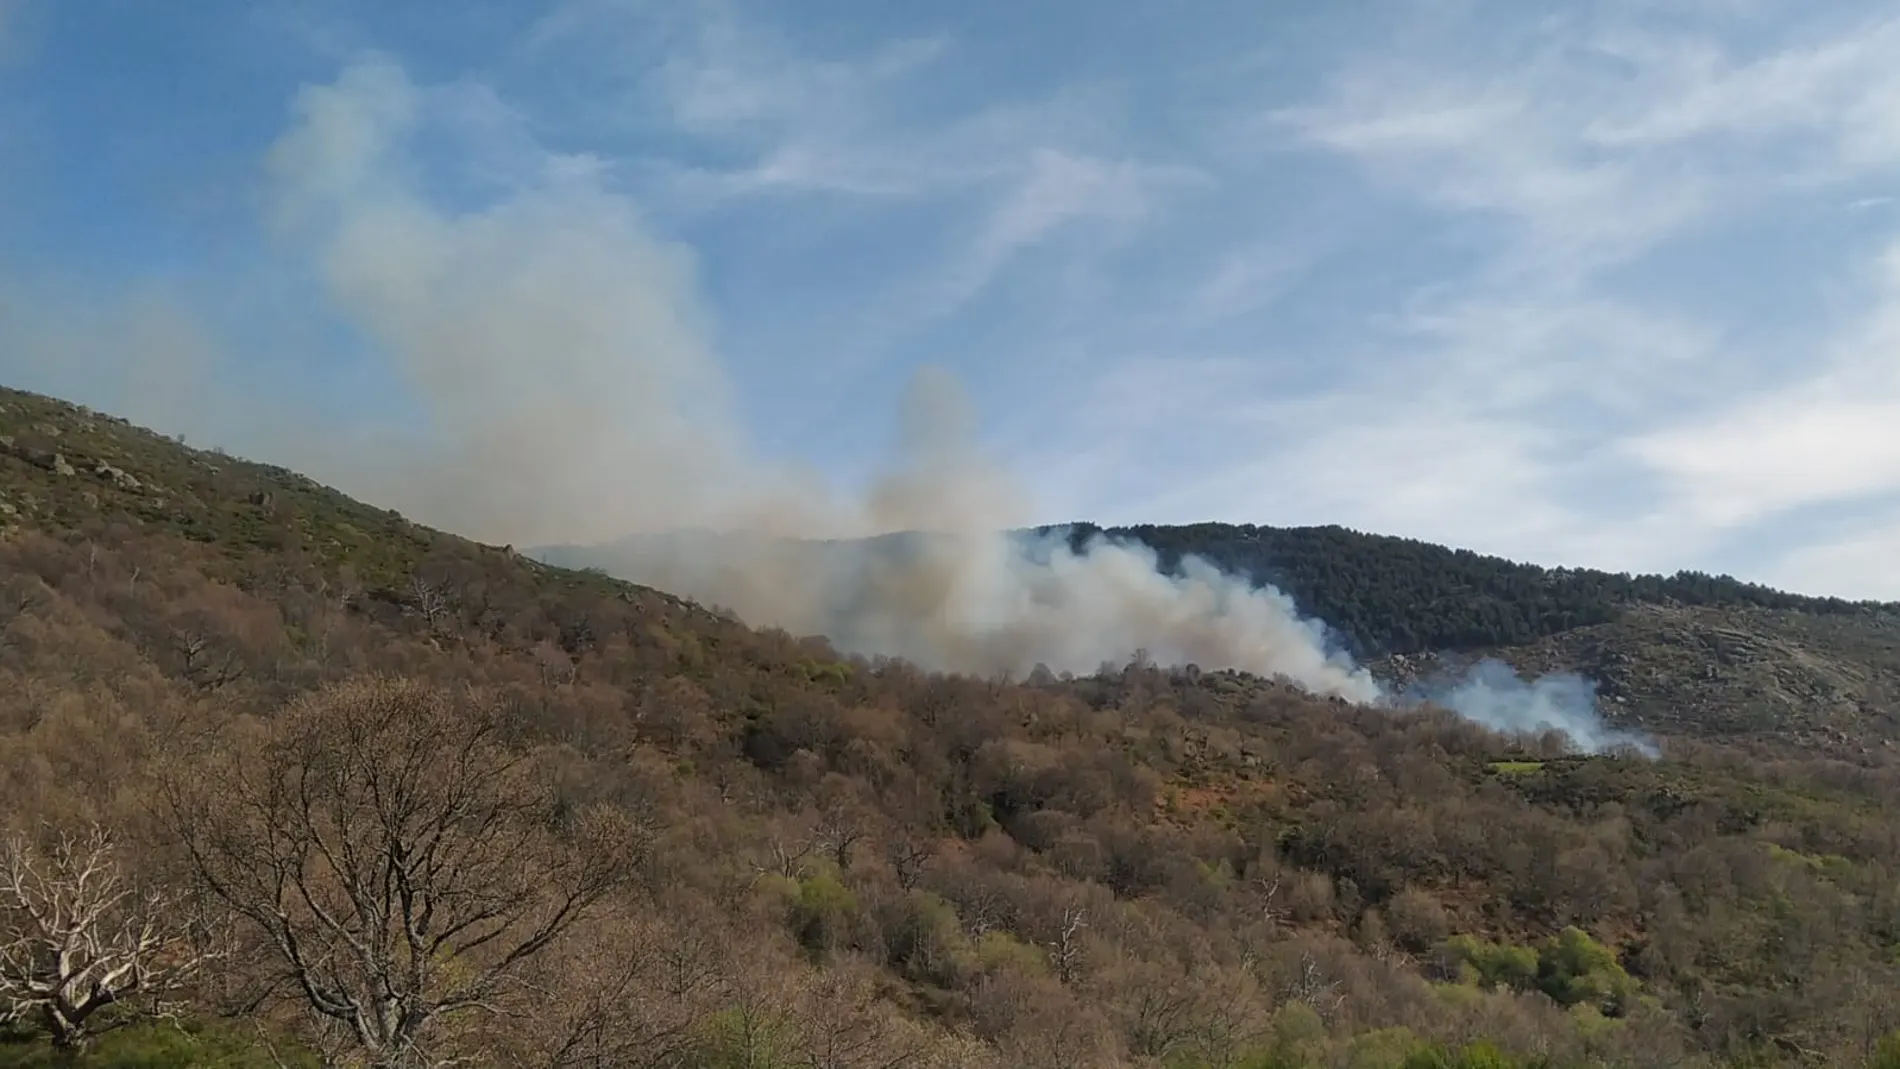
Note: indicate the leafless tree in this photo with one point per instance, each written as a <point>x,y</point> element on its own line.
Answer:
<point>430,600</point>
<point>207,664</point>
<point>839,1024</point>
<point>629,998</point>
<point>1065,950</point>
<point>1311,985</point>
<point>840,828</point>
<point>908,854</point>
<point>78,937</point>
<point>18,597</point>
<point>397,862</point>
<point>786,856</point>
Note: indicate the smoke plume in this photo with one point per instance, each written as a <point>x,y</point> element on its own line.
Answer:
<point>569,397</point>
<point>565,393</point>
<point>1493,694</point>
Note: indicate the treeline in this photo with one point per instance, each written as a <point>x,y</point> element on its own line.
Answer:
<point>1386,595</point>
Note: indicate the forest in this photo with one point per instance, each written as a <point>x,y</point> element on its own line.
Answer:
<point>1384,595</point>
<point>292,781</point>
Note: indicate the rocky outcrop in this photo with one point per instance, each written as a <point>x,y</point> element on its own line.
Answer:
<point>1828,681</point>
<point>124,480</point>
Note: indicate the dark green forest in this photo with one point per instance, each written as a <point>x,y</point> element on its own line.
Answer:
<point>1384,595</point>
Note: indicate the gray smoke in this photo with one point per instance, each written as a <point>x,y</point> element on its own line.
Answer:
<point>995,603</point>
<point>569,396</point>
<point>565,393</point>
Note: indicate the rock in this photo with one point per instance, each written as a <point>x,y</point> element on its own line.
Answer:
<point>262,498</point>
<point>59,466</point>
<point>118,477</point>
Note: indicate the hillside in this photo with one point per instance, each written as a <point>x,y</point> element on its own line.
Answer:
<point>1384,595</point>
<point>402,798</point>
<point>1685,655</point>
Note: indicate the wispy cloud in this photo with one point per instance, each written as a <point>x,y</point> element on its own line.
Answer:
<point>997,175</point>
<point>1826,435</point>
<point>1857,561</point>
<point>1598,284</point>
<point>1536,398</point>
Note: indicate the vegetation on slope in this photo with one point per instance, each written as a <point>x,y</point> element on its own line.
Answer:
<point>1386,595</point>
<point>406,798</point>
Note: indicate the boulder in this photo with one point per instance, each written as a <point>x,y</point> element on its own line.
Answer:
<point>118,477</point>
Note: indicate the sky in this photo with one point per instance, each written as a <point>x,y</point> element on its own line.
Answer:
<point>1610,284</point>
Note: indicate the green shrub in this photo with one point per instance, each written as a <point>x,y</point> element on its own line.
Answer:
<point>733,1039</point>
<point>822,912</point>
<point>1575,969</point>
<point>1000,951</point>
<point>153,1046</point>
<point>1886,1052</point>
<point>923,940</point>
<point>1495,965</point>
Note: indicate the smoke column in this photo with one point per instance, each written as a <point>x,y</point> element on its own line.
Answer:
<point>567,395</point>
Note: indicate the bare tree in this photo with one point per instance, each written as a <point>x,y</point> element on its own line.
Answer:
<point>18,597</point>
<point>629,996</point>
<point>207,664</point>
<point>839,1024</point>
<point>1065,950</point>
<point>839,829</point>
<point>907,854</point>
<point>397,862</point>
<point>77,937</point>
<point>431,601</point>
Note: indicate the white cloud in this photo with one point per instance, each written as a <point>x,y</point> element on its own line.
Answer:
<point>1843,91</point>
<point>784,119</point>
<point>1050,192</point>
<point>1864,563</point>
<point>1502,146</point>
<point>1469,284</point>
<point>1830,435</point>
<point>1601,141</point>
<point>1536,400</point>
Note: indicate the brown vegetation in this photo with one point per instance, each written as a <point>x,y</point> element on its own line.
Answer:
<point>433,802</point>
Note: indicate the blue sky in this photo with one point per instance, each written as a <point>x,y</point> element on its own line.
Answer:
<point>1612,284</point>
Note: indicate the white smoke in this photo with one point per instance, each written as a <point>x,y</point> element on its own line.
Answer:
<point>569,397</point>
<point>1495,695</point>
<point>994,603</point>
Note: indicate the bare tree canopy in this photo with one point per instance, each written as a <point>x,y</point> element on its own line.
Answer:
<point>77,936</point>
<point>397,861</point>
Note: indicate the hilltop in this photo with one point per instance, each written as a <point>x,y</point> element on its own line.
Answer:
<point>746,848</point>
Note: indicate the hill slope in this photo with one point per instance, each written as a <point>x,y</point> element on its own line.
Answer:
<point>808,859</point>
<point>1385,595</point>
<point>1685,655</point>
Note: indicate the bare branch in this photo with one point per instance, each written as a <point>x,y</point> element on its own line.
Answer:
<point>398,862</point>
<point>77,937</point>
